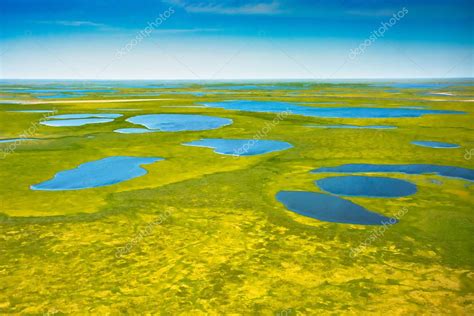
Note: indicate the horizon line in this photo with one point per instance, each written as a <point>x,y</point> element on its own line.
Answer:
<point>245,79</point>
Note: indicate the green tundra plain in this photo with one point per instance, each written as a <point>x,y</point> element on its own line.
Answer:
<point>202,233</point>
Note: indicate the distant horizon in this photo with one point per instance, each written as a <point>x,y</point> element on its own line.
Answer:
<point>248,79</point>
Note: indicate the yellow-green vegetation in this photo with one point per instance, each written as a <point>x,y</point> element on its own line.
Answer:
<point>227,246</point>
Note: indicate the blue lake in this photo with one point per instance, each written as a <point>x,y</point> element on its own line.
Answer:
<point>134,130</point>
<point>11,140</point>
<point>76,122</point>
<point>241,147</point>
<point>335,112</point>
<point>329,208</point>
<point>179,122</point>
<point>80,119</point>
<point>367,186</point>
<point>415,85</point>
<point>85,115</point>
<point>98,173</point>
<point>354,126</point>
<point>59,96</point>
<point>255,87</point>
<point>445,171</point>
<point>432,144</point>
<point>194,93</point>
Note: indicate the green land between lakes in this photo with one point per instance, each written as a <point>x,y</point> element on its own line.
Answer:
<point>226,245</point>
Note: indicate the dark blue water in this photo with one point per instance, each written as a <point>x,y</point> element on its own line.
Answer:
<point>445,171</point>
<point>241,147</point>
<point>340,112</point>
<point>98,173</point>
<point>432,144</point>
<point>179,122</point>
<point>329,208</point>
<point>367,186</point>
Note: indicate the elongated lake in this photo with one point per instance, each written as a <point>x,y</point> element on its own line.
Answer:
<point>445,171</point>
<point>179,122</point>
<point>241,147</point>
<point>98,173</point>
<point>328,112</point>
<point>432,144</point>
<point>75,122</point>
<point>68,120</point>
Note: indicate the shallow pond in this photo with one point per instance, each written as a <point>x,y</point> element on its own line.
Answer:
<point>445,171</point>
<point>241,147</point>
<point>103,172</point>
<point>329,208</point>
<point>132,130</point>
<point>76,122</point>
<point>85,115</point>
<point>367,186</point>
<point>11,140</point>
<point>328,112</point>
<point>68,120</point>
<point>432,144</point>
<point>179,122</point>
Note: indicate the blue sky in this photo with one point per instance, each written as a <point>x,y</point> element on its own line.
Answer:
<point>273,39</point>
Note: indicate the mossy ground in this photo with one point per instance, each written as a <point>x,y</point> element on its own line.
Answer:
<point>228,246</point>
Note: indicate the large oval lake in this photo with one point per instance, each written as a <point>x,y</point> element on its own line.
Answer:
<point>367,186</point>
<point>329,208</point>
